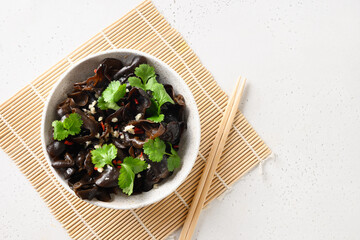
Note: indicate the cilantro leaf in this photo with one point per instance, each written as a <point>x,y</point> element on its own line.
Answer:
<point>150,85</point>
<point>147,74</point>
<point>113,105</point>
<point>60,133</point>
<point>101,103</point>
<point>136,164</point>
<point>73,123</point>
<point>105,105</point>
<point>120,93</point>
<point>126,179</point>
<point>144,71</point>
<point>156,118</point>
<point>103,155</point>
<point>161,95</point>
<point>153,109</point>
<point>146,80</point>
<point>129,189</point>
<point>173,161</point>
<point>136,82</point>
<point>155,149</point>
<point>70,126</point>
<point>129,168</point>
<point>154,112</point>
<point>112,94</point>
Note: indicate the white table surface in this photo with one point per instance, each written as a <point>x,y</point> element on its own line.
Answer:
<point>302,61</point>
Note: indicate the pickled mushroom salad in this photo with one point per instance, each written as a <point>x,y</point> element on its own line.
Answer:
<point>118,131</point>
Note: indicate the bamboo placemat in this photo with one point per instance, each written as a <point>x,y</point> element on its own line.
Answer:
<point>145,29</point>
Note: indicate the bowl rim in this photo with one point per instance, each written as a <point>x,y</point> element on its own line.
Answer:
<point>170,188</point>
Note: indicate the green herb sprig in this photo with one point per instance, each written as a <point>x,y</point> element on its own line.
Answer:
<point>104,155</point>
<point>70,126</point>
<point>111,95</point>
<point>129,168</point>
<point>146,80</point>
<point>156,149</point>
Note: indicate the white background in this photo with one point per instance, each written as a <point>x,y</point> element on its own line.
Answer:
<point>302,61</point>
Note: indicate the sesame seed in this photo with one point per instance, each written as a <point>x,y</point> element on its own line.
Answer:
<point>100,170</point>
<point>127,90</point>
<point>114,120</point>
<point>138,176</point>
<point>100,119</point>
<point>156,186</point>
<point>97,146</point>
<point>122,136</point>
<point>97,135</point>
<point>87,143</point>
<point>149,166</point>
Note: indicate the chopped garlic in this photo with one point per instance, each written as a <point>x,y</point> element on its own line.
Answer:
<point>114,120</point>
<point>97,146</point>
<point>116,134</point>
<point>129,129</point>
<point>100,119</point>
<point>87,143</point>
<point>92,104</point>
<point>97,135</point>
<point>92,110</point>
<point>127,90</point>
<point>138,116</point>
<point>156,186</point>
<point>149,166</point>
<point>139,175</point>
<point>122,136</point>
<point>100,169</point>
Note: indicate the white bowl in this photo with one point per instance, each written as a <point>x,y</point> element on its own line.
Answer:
<point>189,144</point>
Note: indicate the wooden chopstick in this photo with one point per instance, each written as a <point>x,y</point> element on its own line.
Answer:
<point>212,162</point>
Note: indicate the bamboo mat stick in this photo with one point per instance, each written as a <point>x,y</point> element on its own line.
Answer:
<point>212,162</point>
